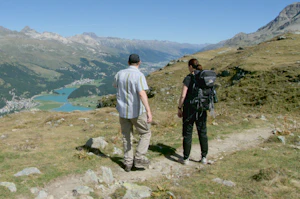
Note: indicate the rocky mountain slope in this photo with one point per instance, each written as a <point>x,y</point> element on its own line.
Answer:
<point>288,20</point>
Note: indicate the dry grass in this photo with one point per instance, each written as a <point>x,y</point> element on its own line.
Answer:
<point>271,85</point>
<point>269,171</point>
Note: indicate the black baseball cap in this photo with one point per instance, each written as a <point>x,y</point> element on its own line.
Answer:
<point>134,58</point>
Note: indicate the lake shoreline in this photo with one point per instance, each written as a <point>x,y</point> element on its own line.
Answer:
<point>60,96</point>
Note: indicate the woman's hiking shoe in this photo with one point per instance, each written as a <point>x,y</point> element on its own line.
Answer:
<point>141,163</point>
<point>184,161</point>
<point>203,160</point>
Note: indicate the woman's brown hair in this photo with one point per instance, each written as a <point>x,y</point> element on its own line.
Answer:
<point>199,67</point>
<point>194,63</point>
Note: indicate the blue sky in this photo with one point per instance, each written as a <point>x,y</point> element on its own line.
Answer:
<point>184,21</point>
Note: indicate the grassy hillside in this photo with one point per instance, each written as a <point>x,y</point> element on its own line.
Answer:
<point>261,78</point>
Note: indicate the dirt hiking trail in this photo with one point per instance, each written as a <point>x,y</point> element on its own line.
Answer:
<point>163,166</point>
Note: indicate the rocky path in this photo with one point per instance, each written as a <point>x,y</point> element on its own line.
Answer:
<point>163,166</point>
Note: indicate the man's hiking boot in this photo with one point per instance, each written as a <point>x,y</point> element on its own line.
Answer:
<point>141,163</point>
<point>127,168</point>
<point>184,161</point>
<point>203,160</point>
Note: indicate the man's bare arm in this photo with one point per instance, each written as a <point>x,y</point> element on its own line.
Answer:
<point>144,98</point>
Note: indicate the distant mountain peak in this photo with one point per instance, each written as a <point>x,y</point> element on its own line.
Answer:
<point>4,29</point>
<point>91,34</point>
<point>290,11</point>
<point>27,29</point>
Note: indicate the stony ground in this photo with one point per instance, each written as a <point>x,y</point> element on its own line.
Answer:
<point>165,166</point>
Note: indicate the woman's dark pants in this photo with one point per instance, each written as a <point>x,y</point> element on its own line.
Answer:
<point>189,118</point>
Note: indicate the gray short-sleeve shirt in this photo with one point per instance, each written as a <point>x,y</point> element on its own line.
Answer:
<point>129,82</point>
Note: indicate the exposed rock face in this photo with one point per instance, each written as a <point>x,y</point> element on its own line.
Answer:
<point>44,36</point>
<point>288,20</point>
<point>109,45</point>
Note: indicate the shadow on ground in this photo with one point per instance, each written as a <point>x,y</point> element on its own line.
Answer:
<point>92,150</point>
<point>119,161</point>
<point>167,151</point>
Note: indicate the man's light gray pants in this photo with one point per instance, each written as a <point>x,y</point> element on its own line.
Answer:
<point>143,128</point>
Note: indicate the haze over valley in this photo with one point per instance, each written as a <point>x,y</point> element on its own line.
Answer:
<point>33,62</point>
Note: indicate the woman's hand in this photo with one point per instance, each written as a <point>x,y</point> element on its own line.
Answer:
<point>179,113</point>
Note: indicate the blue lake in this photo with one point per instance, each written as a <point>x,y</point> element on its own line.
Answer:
<point>62,97</point>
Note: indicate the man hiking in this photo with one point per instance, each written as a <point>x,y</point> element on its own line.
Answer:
<point>134,110</point>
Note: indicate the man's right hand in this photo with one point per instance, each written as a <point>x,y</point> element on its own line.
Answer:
<point>149,117</point>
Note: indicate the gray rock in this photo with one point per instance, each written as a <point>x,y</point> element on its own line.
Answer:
<point>136,192</point>
<point>162,90</point>
<point>114,114</point>
<point>4,136</point>
<point>85,119</point>
<point>228,183</point>
<point>34,190</point>
<point>83,190</point>
<point>295,146</point>
<point>107,175</point>
<point>117,151</point>
<point>42,194</point>
<point>28,171</point>
<point>281,38</point>
<point>277,131</point>
<point>263,118</point>
<point>171,63</point>
<point>90,177</point>
<point>224,182</point>
<point>171,194</point>
<point>11,186</point>
<point>100,187</point>
<point>96,143</point>
<point>60,120</point>
<point>282,139</point>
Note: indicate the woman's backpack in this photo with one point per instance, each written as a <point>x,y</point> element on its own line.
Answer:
<point>203,94</point>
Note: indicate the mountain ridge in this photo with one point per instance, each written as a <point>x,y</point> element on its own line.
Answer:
<point>47,61</point>
<point>288,20</point>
